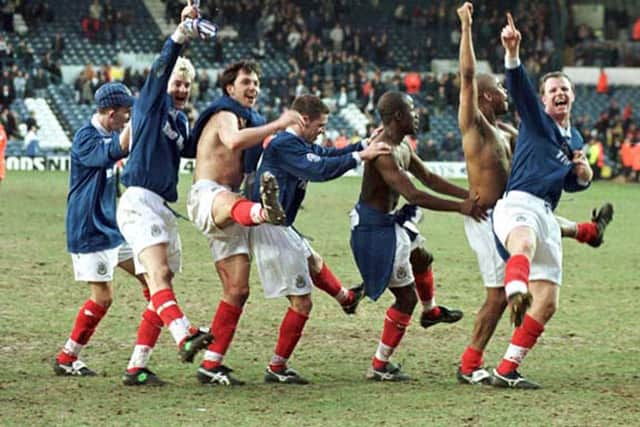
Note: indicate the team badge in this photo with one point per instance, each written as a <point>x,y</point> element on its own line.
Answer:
<point>102,268</point>
<point>401,273</point>
<point>155,230</point>
<point>300,282</point>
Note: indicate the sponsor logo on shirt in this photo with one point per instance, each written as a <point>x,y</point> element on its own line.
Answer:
<point>173,135</point>
<point>312,157</point>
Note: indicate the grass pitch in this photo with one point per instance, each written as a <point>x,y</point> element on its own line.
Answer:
<point>587,360</point>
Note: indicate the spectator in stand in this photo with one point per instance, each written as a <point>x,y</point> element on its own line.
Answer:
<point>595,154</point>
<point>635,33</point>
<point>57,46</point>
<point>32,142</point>
<point>342,97</point>
<point>428,151</point>
<point>9,122</point>
<point>626,157</point>
<point>40,83</point>
<point>91,23</point>
<point>635,155</point>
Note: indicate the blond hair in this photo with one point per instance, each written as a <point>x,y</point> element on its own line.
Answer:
<point>184,68</point>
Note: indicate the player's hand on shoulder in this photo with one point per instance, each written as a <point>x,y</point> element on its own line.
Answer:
<point>374,150</point>
<point>290,118</point>
<point>465,12</point>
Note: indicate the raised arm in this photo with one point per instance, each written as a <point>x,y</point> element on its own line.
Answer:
<point>518,84</point>
<point>468,109</point>
<point>234,138</point>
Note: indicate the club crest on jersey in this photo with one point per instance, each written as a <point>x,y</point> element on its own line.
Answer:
<point>155,230</point>
<point>102,268</point>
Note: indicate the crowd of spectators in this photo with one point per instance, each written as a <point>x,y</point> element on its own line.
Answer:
<point>346,51</point>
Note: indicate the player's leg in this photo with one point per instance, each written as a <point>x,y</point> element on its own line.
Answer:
<point>230,207</point>
<point>521,244</point>
<point>85,324</point>
<point>432,314</point>
<point>396,322</point>
<point>234,275</point>
<point>545,302</point>
<point>290,332</point>
<point>158,275</point>
<point>471,369</point>
<point>149,330</point>
<point>592,232</point>
<point>324,279</point>
<point>96,269</point>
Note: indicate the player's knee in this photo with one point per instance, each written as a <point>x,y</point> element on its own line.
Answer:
<point>406,300</point>
<point>302,305</point>
<point>421,260</point>
<point>238,294</point>
<point>161,277</point>
<point>315,262</point>
<point>102,293</point>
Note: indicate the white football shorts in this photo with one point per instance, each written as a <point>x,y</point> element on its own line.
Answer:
<point>482,240</point>
<point>223,242</point>
<point>281,257</point>
<point>99,266</point>
<point>402,274</point>
<point>518,208</point>
<point>145,220</point>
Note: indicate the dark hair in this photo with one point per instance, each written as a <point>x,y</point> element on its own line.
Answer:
<point>554,75</point>
<point>230,74</point>
<point>310,105</point>
<point>390,103</point>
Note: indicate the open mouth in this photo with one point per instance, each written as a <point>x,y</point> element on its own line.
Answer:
<point>561,102</point>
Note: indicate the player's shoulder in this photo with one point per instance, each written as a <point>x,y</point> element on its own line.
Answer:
<point>85,133</point>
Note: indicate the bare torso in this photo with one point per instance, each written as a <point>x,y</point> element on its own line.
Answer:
<point>214,160</point>
<point>487,151</point>
<point>375,191</point>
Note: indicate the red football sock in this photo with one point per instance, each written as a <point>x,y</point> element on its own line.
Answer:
<point>84,326</point>
<point>149,329</point>
<point>223,327</point>
<point>290,333</point>
<point>146,293</point>
<point>586,231</point>
<point>247,213</point>
<point>172,317</point>
<point>426,292</point>
<point>328,282</point>
<point>516,274</point>
<point>395,325</point>
<point>148,333</point>
<point>523,339</point>
<point>471,360</point>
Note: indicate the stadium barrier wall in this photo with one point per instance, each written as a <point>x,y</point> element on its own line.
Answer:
<point>63,163</point>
